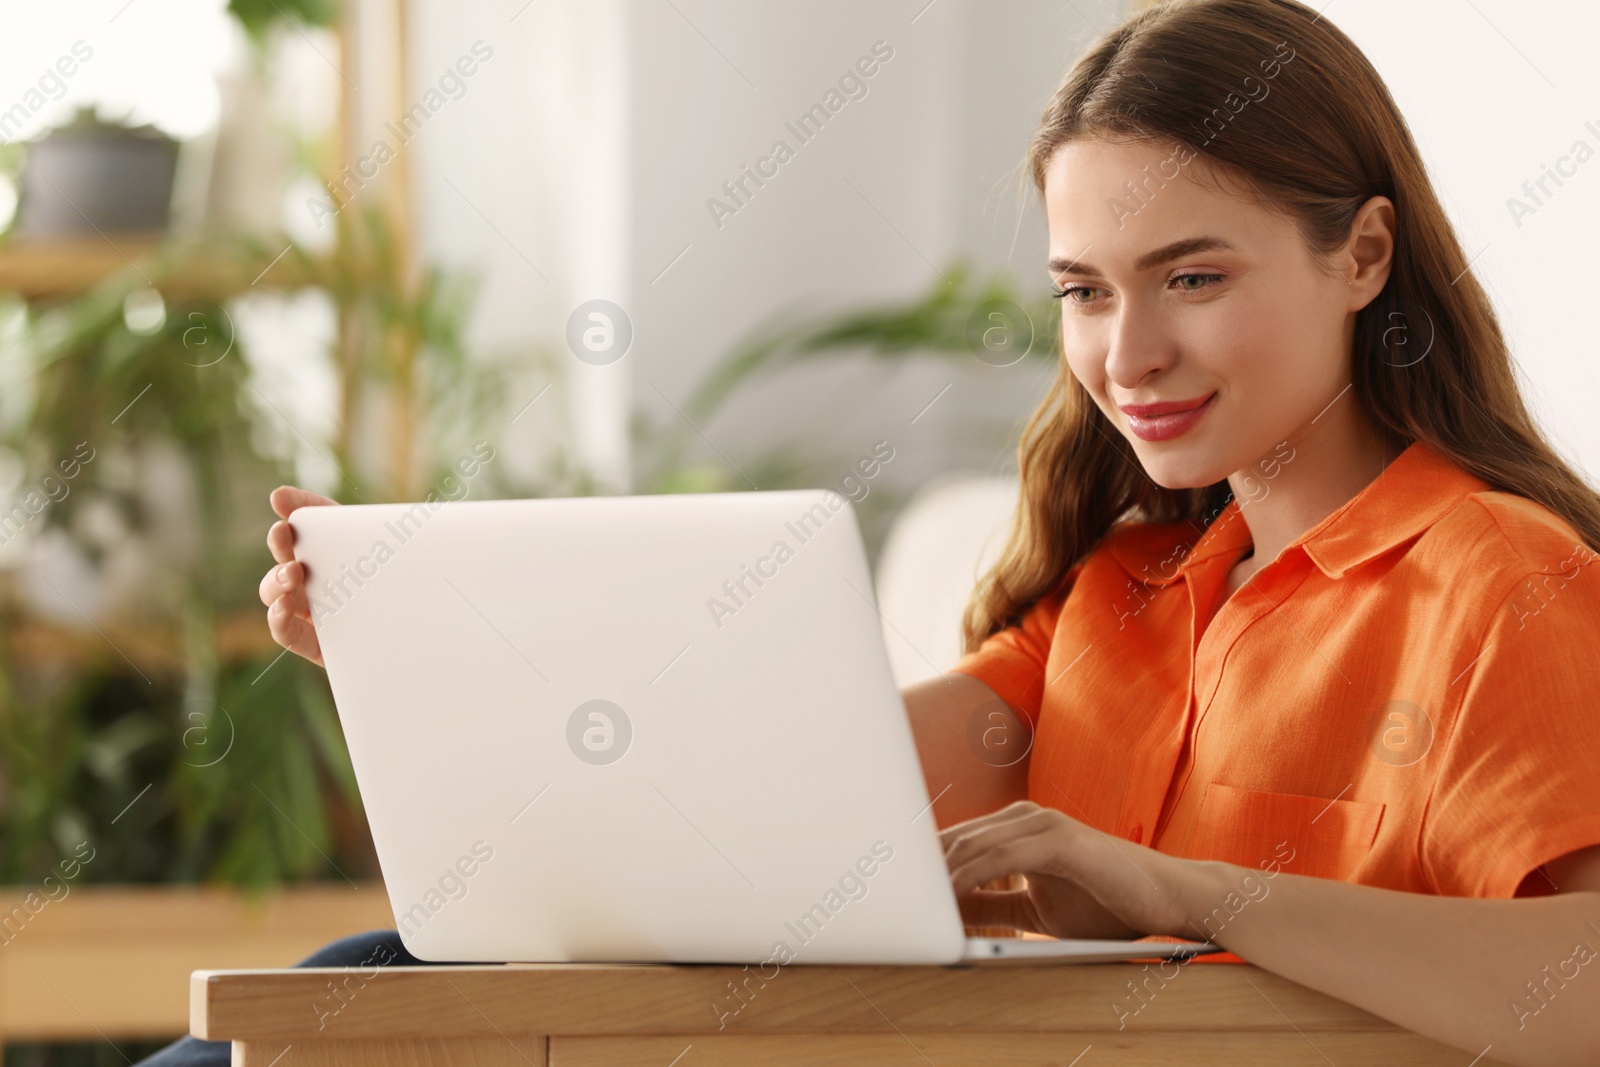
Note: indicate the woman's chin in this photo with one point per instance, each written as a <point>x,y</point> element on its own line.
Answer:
<point>1171,470</point>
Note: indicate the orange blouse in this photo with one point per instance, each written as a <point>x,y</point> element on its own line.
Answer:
<point>1406,697</point>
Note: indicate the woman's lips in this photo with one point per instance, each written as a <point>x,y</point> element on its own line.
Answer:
<point>1160,422</point>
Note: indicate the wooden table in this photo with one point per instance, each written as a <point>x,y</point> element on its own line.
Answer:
<point>586,1015</point>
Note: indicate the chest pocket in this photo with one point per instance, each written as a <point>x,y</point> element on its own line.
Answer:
<point>1302,835</point>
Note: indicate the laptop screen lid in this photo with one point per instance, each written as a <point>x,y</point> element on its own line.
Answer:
<point>629,729</point>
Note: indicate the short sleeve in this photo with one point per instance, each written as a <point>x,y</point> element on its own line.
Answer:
<point>1012,661</point>
<point>1516,786</point>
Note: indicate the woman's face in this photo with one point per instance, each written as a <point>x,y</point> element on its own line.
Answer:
<point>1198,320</point>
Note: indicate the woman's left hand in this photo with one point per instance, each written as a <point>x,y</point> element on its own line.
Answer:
<point>1081,882</point>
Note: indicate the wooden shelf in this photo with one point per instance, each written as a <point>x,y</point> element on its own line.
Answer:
<point>124,953</point>
<point>63,268</point>
<point>241,635</point>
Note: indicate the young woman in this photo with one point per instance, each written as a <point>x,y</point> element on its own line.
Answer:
<point>1295,617</point>
<point>1299,602</point>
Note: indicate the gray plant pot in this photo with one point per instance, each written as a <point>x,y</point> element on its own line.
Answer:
<point>78,183</point>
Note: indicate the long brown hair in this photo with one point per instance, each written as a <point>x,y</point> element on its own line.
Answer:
<point>1316,134</point>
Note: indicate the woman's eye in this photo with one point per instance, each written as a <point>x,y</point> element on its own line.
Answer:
<point>1071,293</point>
<point>1076,294</point>
<point>1201,281</point>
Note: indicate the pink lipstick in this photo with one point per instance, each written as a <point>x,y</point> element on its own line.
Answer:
<point>1166,419</point>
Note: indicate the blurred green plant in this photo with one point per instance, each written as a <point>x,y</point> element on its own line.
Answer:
<point>103,758</point>
<point>940,323</point>
<point>148,372</point>
<point>946,322</point>
<point>259,17</point>
<point>211,764</point>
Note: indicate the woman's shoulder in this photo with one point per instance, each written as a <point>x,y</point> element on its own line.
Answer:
<point>1490,542</point>
<point>1519,533</point>
<point>1501,538</point>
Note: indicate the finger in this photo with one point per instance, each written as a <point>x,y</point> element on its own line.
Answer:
<point>294,633</point>
<point>992,831</point>
<point>1011,812</point>
<point>272,587</point>
<point>280,541</point>
<point>1079,855</point>
<point>286,498</point>
<point>1039,852</point>
<point>1011,908</point>
<point>287,579</point>
<point>1061,908</point>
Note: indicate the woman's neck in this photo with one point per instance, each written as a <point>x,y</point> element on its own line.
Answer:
<point>1332,459</point>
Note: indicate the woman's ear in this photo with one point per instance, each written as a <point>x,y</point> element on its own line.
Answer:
<point>1369,252</point>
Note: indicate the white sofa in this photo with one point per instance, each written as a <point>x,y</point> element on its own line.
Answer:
<point>947,535</point>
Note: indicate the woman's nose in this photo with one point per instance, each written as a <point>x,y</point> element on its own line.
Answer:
<point>1138,347</point>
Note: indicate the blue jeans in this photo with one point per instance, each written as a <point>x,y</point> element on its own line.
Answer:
<point>381,947</point>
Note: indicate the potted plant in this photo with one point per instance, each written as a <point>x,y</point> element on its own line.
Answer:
<point>93,177</point>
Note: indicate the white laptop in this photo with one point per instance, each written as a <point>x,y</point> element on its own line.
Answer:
<point>651,729</point>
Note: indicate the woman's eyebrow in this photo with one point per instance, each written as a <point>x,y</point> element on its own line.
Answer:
<point>1186,247</point>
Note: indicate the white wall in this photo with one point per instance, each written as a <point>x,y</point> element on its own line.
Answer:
<point>595,138</point>
<point>1494,90</point>
<point>707,85</point>
<point>895,187</point>
<point>524,181</point>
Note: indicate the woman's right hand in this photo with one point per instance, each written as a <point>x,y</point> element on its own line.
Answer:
<point>283,589</point>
